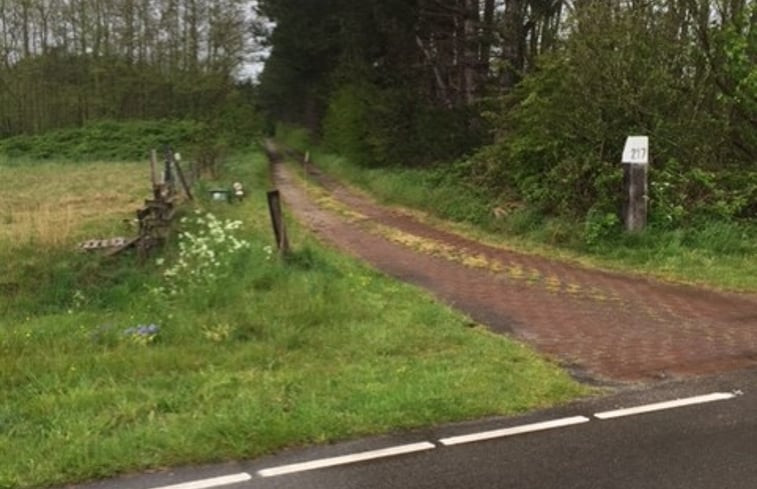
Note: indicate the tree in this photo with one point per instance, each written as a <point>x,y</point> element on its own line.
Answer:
<point>65,62</point>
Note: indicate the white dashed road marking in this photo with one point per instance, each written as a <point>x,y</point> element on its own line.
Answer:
<point>346,459</point>
<point>516,430</point>
<point>648,408</point>
<point>454,440</point>
<point>214,482</point>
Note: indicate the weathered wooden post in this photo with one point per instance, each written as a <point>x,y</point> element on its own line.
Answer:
<point>176,159</point>
<point>277,220</point>
<point>156,185</point>
<point>168,170</point>
<point>635,163</point>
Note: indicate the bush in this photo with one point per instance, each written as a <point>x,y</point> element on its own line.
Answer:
<point>105,140</point>
<point>347,124</point>
<point>600,226</point>
<point>681,197</point>
<point>623,71</point>
<point>236,123</point>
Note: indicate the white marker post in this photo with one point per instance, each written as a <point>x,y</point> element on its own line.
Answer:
<point>635,162</point>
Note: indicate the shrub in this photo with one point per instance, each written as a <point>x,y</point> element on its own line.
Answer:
<point>600,226</point>
<point>105,140</point>
<point>622,71</point>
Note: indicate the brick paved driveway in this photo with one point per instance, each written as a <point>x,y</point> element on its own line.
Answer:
<point>602,326</point>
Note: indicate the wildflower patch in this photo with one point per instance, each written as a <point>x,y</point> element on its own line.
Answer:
<point>208,247</point>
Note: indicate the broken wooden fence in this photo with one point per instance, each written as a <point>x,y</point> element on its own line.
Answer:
<point>155,218</point>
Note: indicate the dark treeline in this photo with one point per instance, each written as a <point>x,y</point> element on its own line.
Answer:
<point>416,67</point>
<point>66,62</point>
<point>541,92</point>
<point>449,51</point>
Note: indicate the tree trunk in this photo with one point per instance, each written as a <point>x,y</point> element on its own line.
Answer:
<point>513,43</point>
<point>441,85</point>
<point>25,35</point>
<point>470,51</point>
<point>487,38</point>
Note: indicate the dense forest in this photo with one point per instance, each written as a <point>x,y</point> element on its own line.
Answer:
<point>531,99</point>
<point>541,93</point>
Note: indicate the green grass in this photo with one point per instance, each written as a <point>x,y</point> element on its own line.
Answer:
<point>272,353</point>
<point>712,253</point>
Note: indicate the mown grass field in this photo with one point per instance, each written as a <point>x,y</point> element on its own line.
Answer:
<point>716,253</point>
<point>251,353</point>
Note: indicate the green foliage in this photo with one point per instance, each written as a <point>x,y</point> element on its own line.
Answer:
<point>736,61</point>
<point>682,197</point>
<point>105,140</point>
<point>312,43</point>
<point>294,137</point>
<point>380,127</point>
<point>157,64</point>
<point>353,72</point>
<point>600,226</point>
<point>347,124</point>
<point>235,123</point>
<point>622,72</point>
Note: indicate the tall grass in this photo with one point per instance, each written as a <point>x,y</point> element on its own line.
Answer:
<point>47,205</point>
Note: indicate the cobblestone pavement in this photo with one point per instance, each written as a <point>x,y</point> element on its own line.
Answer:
<point>602,326</point>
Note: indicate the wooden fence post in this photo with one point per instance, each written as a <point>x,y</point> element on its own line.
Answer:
<point>168,170</point>
<point>279,230</point>
<point>180,173</point>
<point>156,185</point>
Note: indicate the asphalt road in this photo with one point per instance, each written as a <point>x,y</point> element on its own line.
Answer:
<point>707,445</point>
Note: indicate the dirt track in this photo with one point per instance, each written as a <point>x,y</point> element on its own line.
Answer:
<point>602,326</point>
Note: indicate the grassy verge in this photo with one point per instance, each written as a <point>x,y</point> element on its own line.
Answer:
<point>715,253</point>
<point>248,353</point>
